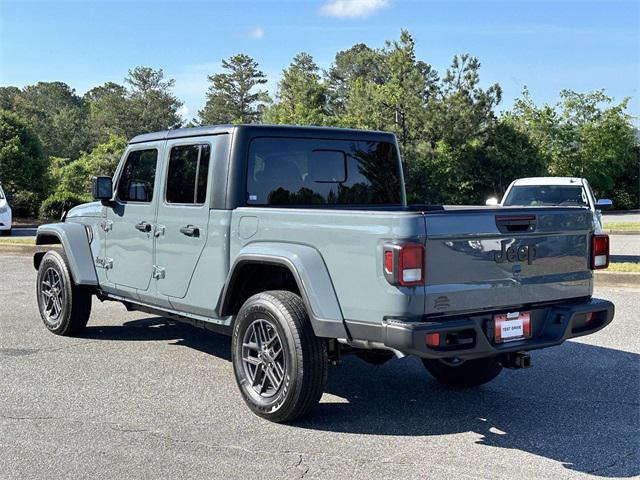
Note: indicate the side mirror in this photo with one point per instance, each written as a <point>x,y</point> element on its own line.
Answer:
<point>604,204</point>
<point>491,202</point>
<point>102,188</point>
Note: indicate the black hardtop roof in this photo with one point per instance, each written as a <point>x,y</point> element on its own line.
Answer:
<point>266,130</point>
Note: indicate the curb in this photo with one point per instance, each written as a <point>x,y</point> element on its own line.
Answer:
<point>17,249</point>
<point>617,279</point>
<point>622,232</point>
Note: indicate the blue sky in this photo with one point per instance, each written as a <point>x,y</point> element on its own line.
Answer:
<point>545,45</point>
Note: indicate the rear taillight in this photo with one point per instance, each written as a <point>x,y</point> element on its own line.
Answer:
<point>404,264</point>
<point>599,251</point>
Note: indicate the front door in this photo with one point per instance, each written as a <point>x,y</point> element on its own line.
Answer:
<point>183,213</point>
<point>131,220</point>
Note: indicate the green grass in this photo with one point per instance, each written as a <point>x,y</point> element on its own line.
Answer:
<point>624,267</point>
<point>17,241</point>
<point>628,226</point>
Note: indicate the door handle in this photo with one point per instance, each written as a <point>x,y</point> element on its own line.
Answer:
<point>190,231</point>
<point>143,227</point>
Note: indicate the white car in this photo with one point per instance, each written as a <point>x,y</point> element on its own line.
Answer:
<point>5,214</point>
<point>553,191</point>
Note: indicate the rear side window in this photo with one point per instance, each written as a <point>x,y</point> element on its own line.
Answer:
<point>187,174</point>
<point>284,171</point>
<point>138,176</point>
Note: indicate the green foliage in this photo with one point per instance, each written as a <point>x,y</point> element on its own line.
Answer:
<point>109,112</point>
<point>8,96</point>
<point>584,135</point>
<point>56,204</point>
<point>232,97</point>
<point>147,105</point>
<point>25,204</point>
<point>152,105</point>
<point>75,177</point>
<point>359,63</point>
<point>56,114</point>
<point>301,95</point>
<point>22,166</point>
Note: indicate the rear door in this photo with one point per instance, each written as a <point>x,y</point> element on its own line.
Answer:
<point>129,244</point>
<point>183,213</point>
<point>488,259</point>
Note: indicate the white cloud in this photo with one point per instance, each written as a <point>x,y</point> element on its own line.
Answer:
<point>352,8</point>
<point>183,111</point>
<point>257,33</point>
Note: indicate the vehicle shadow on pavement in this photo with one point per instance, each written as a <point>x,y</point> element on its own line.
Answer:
<point>158,328</point>
<point>579,404</point>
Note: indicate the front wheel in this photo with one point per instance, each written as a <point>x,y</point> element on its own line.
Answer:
<point>279,364</point>
<point>64,306</point>
<point>469,373</point>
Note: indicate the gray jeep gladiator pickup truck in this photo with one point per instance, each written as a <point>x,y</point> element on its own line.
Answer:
<point>298,242</point>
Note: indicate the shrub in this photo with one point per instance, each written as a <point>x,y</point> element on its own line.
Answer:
<point>59,202</point>
<point>24,204</point>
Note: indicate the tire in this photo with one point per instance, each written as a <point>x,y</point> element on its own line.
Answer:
<point>64,307</point>
<point>470,373</point>
<point>6,232</point>
<point>286,379</point>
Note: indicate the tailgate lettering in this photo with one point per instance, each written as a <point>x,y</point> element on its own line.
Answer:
<point>520,254</point>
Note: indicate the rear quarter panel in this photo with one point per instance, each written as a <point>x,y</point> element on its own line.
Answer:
<point>350,243</point>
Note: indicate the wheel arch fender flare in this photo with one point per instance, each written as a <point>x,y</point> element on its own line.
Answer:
<point>312,278</point>
<point>74,241</point>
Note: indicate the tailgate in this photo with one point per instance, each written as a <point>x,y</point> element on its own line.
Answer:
<point>490,259</point>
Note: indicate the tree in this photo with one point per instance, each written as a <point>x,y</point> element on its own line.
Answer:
<point>301,95</point>
<point>584,135</point>
<point>407,93</point>
<point>8,96</point>
<point>75,177</point>
<point>462,111</point>
<point>358,63</point>
<point>109,112</point>
<point>232,96</point>
<point>57,116</point>
<point>152,105</point>
<point>22,166</point>
<point>507,154</point>
<point>393,95</point>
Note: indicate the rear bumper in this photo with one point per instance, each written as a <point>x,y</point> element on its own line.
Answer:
<point>550,326</point>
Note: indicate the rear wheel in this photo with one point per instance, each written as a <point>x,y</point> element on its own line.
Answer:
<point>469,373</point>
<point>6,232</point>
<point>279,364</point>
<point>64,306</point>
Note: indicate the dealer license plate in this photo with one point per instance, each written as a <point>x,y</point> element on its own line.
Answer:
<point>512,326</point>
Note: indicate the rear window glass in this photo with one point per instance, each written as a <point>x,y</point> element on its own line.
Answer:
<point>284,171</point>
<point>547,195</point>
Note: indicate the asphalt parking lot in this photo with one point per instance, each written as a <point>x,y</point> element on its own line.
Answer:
<point>141,397</point>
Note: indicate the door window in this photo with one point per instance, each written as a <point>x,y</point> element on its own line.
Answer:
<point>187,174</point>
<point>138,176</point>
